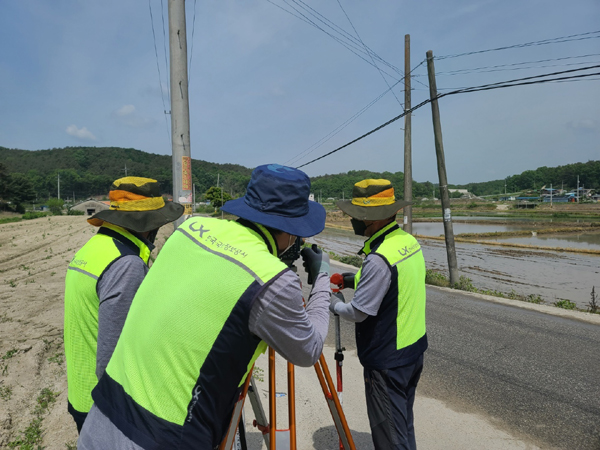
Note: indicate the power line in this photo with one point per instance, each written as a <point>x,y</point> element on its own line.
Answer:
<point>323,140</point>
<point>349,36</point>
<point>573,37</point>
<point>192,49</point>
<point>165,49</point>
<point>158,67</point>
<point>350,46</point>
<point>483,69</point>
<point>500,85</point>
<point>367,134</point>
<point>371,56</point>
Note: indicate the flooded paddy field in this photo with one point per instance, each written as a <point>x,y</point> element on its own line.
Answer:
<point>553,275</point>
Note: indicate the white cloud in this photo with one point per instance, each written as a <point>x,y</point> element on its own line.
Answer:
<point>80,133</point>
<point>128,116</point>
<point>125,110</point>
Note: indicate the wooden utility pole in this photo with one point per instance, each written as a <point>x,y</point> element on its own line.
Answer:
<point>180,109</point>
<point>439,150</point>
<point>407,139</point>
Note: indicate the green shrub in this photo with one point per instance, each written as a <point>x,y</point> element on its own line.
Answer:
<point>537,299</point>
<point>75,212</point>
<point>33,215</point>
<point>354,260</point>
<point>565,304</point>
<point>465,284</point>
<point>205,209</point>
<point>56,205</point>
<point>10,219</point>
<point>436,278</point>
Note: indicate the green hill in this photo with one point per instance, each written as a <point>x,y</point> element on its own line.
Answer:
<point>89,171</point>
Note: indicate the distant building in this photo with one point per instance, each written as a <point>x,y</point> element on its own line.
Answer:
<point>556,199</point>
<point>464,192</point>
<point>91,206</point>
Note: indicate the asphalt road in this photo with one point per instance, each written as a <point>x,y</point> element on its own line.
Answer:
<point>534,375</point>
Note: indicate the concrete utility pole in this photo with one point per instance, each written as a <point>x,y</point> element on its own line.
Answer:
<point>550,195</point>
<point>439,150</point>
<point>407,139</point>
<point>58,175</point>
<point>577,188</point>
<point>180,109</point>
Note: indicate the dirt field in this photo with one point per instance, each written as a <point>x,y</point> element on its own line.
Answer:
<point>34,255</point>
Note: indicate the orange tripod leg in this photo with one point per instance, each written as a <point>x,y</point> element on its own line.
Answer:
<point>334,404</point>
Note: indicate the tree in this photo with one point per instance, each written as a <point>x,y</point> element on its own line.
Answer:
<point>4,182</point>
<point>20,190</point>
<point>213,195</point>
<point>56,205</point>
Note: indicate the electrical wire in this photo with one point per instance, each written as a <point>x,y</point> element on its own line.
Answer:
<point>159,75</point>
<point>499,85</point>
<point>371,56</point>
<point>500,66</point>
<point>192,47</point>
<point>323,140</point>
<point>162,9</point>
<point>350,46</point>
<point>326,21</point>
<point>573,37</point>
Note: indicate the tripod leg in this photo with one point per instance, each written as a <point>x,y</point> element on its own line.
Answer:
<point>339,418</point>
<point>272,406</point>
<point>291,405</point>
<point>230,437</point>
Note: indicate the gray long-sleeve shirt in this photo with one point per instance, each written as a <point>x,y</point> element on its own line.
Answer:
<point>375,280</point>
<point>116,289</point>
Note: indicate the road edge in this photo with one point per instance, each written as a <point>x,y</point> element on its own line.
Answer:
<point>551,310</point>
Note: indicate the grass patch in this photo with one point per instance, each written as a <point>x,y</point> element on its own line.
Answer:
<point>10,220</point>
<point>9,354</point>
<point>465,284</point>
<point>5,392</point>
<point>58,358</point>
<point>354,260</point>
<point>31,437</point>
<point>436,279</point>
<point>33,215</point>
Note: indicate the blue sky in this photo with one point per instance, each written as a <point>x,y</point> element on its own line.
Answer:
<point>265,86</point>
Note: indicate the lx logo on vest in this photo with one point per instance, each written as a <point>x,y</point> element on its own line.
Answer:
<point>195,397</point>
<point>200,230</point>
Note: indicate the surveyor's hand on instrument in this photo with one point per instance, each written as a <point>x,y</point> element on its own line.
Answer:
<point>343,280</point>
<point>314,262</point>
<point>348,278</point>
<point>336,297</point>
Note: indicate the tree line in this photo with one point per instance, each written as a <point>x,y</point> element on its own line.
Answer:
<point>559,177</point>
<point>89,171</point>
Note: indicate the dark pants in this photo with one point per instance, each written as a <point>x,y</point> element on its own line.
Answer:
<point>390,397</point>
<point>78,417</point>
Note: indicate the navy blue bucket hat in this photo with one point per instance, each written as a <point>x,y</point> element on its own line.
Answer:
<point>277,197</point>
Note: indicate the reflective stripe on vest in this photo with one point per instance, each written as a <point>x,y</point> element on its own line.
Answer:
<point>185,348</point>
<point>385,340</point>
<point>81,308</point>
